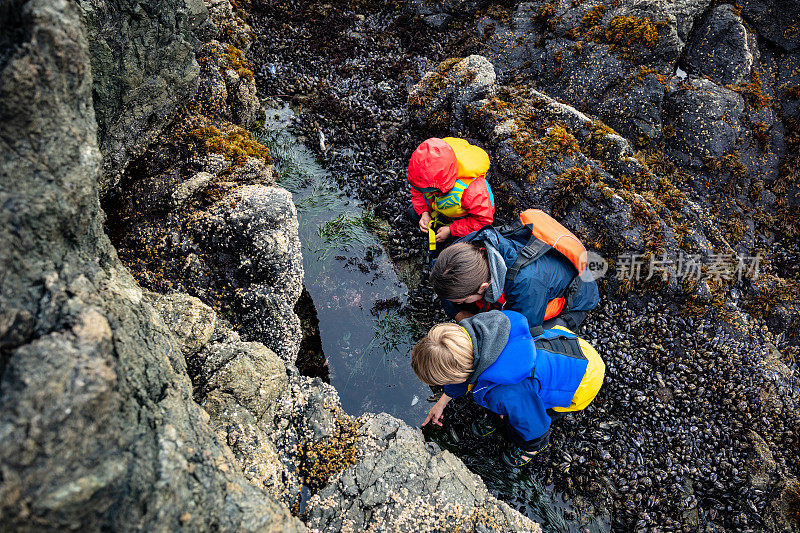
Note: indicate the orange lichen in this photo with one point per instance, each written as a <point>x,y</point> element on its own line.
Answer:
<point>560,141</point>
<point>752,92</point>
<point>240,64</point>
<point>594,16</point>
<point>628,31</point>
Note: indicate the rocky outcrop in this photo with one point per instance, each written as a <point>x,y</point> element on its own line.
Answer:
<point>403,483</point>
<point>437,13</point>
<point>291,438</point>
<point>143,68</point>
<point>775,21</point>
<point>97,421</point>
<point>706,121</point>
<point>198,211</point>
<point>723,48</point>
<point>665,444</point>
<point>548,154</point>
<point>439,100</point>
<point>707,151</point>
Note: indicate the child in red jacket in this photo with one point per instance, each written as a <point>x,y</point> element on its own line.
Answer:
<point>448,181</point>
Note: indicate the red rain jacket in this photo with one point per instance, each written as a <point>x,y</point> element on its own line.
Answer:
<point>435,164</point>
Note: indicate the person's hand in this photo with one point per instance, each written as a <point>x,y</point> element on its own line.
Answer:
<point>442,234</point>
<point>424,221</point>
<point>461,315</point>
<point>436,412</point>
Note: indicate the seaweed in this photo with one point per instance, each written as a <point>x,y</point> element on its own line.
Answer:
<point>321,460</point>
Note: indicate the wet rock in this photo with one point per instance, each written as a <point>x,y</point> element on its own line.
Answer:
<point>249,372</point>
<point>227,24</point>
<point>255,453</point>
<point>636,113</point>
<point>98,427</point>
<point>723,48</point>
<point>438,12</point>
<point>706,120</point>
<point>761,464</point>
<point>441,96</point>
<point>687,13</point>
<point>184,190</point>
<point>227,89</point>
<point>254,231</point>
<point>136,91</point>
<point>588,53</point>
<point>776,21</point>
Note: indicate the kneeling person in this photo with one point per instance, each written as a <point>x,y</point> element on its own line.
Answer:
<point>530,380</point>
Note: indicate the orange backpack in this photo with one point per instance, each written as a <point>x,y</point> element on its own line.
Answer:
<point>549,230</point>
<point>545,233</point>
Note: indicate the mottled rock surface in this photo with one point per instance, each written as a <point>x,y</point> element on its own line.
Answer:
<point>97,421</point>
<point>403,483</point>
<point>723,48</point>
<point>143,68</point>
<point>291,438</point>
<point>198,212</point>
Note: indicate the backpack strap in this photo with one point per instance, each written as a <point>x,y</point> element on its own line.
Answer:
<point>529,253</point>
<point>536,331</point>
<point>507,229</point>
<point>562,345</point>
<point>569,294</point>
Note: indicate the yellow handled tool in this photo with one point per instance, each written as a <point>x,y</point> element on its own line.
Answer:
<point>432,233</point>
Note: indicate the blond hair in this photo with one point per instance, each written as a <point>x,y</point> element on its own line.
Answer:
<point>443,356</point>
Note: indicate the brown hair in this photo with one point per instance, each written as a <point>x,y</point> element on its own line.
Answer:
<point>443,356</point>
<point>459,271</point>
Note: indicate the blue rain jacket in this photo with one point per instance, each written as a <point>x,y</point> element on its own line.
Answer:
<point>506,387</point>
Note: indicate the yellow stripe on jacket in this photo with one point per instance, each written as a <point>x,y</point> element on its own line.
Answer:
<point>592,379</point>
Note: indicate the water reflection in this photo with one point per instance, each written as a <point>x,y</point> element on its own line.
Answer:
<point>365,332</point>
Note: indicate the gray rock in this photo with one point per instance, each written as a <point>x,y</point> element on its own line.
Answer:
<point>191,321</point>
<point>440,97</point>
<point>184,190</point>
<point>760,464</point>
<point>137,91</point>
<point>573,52</point>
<point>635,113</point>
<point>432,8</point>
<point>722,48</point>
<point>400,483</point>
<point>254,451</point>
<point>686,13</point>
<point>227,25</point>
<point>98,427</point>
<point>511,45</point>
<point>258,226</point>
<point>249,372</point>
<point>227,87</point>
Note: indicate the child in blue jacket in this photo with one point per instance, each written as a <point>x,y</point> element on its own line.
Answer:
<point>528,381</point>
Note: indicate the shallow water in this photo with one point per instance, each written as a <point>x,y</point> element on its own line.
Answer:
<point>366,335</point>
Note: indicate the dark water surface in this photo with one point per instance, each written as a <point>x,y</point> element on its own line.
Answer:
<point>365,334</point>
